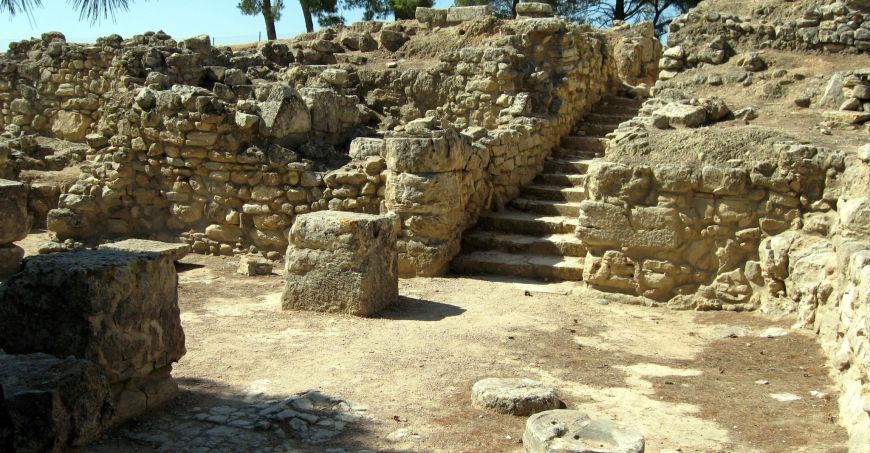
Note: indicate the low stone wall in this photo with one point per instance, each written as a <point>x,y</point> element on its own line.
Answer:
<point>706,36</point>
<point>667,230</point>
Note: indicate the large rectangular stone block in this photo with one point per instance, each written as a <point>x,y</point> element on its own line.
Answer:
<point>341,262</point>
<point>14,224</point>
<point>116,309</point>
<point>50,404</point>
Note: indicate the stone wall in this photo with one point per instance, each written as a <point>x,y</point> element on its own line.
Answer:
<point>691,235</point>
<point>224,149</point>
<point>707,36</point>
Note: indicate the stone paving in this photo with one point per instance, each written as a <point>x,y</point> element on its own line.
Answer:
<point>298,423</point>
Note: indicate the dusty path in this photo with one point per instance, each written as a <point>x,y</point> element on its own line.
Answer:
<point>408,372</point>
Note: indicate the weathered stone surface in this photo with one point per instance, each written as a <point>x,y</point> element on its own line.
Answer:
<point>573,431</point>
<point>175,252</point>
<point>534,9</point>
<point>254,265</point>
<point>72,126</point>
<point>513,396</point>
<point>14,224</point>
<point>442,151</point>
<point>49,404</point>
<point>117,309</point>
<point>341,262</point>
<point>10,259</point>
<point>679,115</point>
<point>284,113</point>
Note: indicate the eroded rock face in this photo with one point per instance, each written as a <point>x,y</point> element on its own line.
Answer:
<point>49,404</point>
<point>116,309</point>
<point>341,262</point>
<point>513,396</point>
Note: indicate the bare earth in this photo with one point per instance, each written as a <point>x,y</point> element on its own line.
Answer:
<point>669,374</point>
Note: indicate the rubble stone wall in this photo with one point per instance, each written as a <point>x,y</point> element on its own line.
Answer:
<point>707,36</point>
<point>691,235</point>
<point>225,149</point>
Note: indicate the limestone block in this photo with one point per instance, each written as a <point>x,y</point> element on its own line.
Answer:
<point>675,178</point>
<point>606,225</point>
<point>175,252</point>
<point>10,259</point>
<point>50,404</point>
<point>855,218</point>
<point>428,193</point>
<point>456,14</point>
<point>426,259</point>
<point>513,396</point>
<point>437,152</point>
<point>284,113</point>
<point>72,126</point>
<point>116,309</point>
<point>431,16</point>
<point>341,262</point>
<point>14,224</point>
<point>679,115</point>
<point>251,265</point>
<point>563,430</point>
<point>611,270</point>
<point>363,147</point>
<point>534,9</point>
<point>68,224</point>
<point>392,40</point>
<point>723,180</point>
<point>611,179</point>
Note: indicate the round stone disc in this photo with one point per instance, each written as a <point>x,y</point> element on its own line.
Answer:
<point>513,396</point>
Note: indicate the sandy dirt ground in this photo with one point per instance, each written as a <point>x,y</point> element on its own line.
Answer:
<point>689,381</point>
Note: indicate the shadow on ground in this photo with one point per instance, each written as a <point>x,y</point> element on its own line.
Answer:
<point>211,416</point>
<point>412,309</point>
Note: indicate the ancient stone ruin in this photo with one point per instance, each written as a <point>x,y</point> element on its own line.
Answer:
<point>723,171</point>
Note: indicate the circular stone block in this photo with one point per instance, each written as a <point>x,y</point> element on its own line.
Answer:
<point>571,431</point>
<point>513,396</point>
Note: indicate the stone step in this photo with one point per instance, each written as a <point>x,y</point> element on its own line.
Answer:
<point>555,192</point>
<point>561,179</point>
<point>568,166</point>
<point>591,144</point>
<point>620,101</point>
<point>519,222</point>
<point>572,153</point>
<point>551,244</point>
<point>607,118</point>
<point>543,267</point>
<point>599,130</point>
<point>551,207</point>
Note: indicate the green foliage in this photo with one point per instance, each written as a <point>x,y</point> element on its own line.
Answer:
<point>601,12</point>
<point>93,10</point>
<point>405,9</point>
<point>255,8</point>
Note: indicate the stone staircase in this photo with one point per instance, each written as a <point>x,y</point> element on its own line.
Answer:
<point>534,237</point>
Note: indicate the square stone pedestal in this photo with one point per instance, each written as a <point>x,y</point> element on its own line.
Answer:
<point>341,262</point>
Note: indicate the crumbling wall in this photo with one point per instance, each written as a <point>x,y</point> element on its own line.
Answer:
<point>705,35</point>
<point>690,235</point>
<point>224,148</point>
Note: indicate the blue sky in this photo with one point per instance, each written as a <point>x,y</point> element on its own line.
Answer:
<point>180,18</point>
